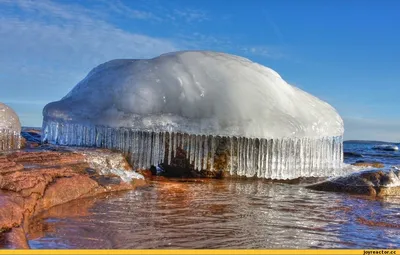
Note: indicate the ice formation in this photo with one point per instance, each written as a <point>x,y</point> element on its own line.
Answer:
<point>10,129</point>
<point>200,102</point>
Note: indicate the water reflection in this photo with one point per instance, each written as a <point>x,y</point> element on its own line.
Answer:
<point>220,214</point>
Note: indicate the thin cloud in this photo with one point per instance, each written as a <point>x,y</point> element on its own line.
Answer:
<point>191,15</point>
<point>271,52</point>
<point>153,11</point>
<point>46,51</point>
<point>124,10</point>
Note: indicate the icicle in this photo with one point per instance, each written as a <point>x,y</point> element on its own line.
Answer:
<point>274,158</point>
<point>268,158</point>
<point>205,154</point>
<point>231,155</point>
<point>250,165</point>
<point>264,158</point>
<point>212,151</point>
<point>143,149</point>
<point>178,140</point>
<point>9,140</point>
<point>163,144</point>
<point>173,135</point>
<point>194,154</point>
<point>261,155</point>
<point>155,152</point>
<point>200,152</point>
<point>289,161</point>
<point>239,156</point>
<point>169,148</point>
<point>186,148</point>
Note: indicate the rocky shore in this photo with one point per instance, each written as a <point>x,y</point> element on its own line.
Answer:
<point>35,180</point>
<point>42,176</point>
<point>373,182</point>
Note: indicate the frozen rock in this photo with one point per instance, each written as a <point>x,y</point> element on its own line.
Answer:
<point>10,129</point>
<point>150,107</point>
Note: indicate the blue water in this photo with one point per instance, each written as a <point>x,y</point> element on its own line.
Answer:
<point>228,213</point>
<point>367,153</point>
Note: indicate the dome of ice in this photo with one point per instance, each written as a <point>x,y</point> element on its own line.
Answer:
<point>222,112</point>
<point>10,128</point>
<point>196,92</point>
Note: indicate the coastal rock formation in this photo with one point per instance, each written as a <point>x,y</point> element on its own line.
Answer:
<point>10,129</point>
<point>30,138</point>
<point>34,181</point>
<point>194,101</point>
<point>374,164</point>
<point>369,182</point>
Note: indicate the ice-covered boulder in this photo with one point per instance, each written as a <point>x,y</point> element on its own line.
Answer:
<point>375,182</point>
<point>149,107</point>
<point>10,129</point>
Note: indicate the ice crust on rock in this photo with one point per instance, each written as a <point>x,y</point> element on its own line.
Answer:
<point>197,93</point>
<point>127,176</point>
<point>151,107</point>
<point>10,129</point>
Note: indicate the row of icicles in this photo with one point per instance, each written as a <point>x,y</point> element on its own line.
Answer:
<point>265,158</point>
<point>9,140</point>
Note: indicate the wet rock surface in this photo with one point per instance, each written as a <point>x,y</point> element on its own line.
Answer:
<point>374,164</point>
<point>376,183</point>
<point>36,180</point>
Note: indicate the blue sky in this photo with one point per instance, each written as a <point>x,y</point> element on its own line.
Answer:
<point>345,52</point>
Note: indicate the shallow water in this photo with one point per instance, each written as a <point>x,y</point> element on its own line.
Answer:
<point>228,213</point>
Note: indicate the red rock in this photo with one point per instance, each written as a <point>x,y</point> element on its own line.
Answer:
<point>66,189</point>
<point>11,214</point>
<point>16,239</point>
<point>7,166</point>
<point>46,158</point>
<point>31,182</point>
<point>369,164</point>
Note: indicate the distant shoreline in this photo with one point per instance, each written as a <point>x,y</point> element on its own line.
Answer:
<point>368,141</point>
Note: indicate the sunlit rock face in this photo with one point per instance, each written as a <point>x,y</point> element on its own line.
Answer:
<point>10,129</point>
<point>208,104</point>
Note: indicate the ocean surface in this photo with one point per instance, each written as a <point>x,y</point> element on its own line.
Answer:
<point>227,213</point>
